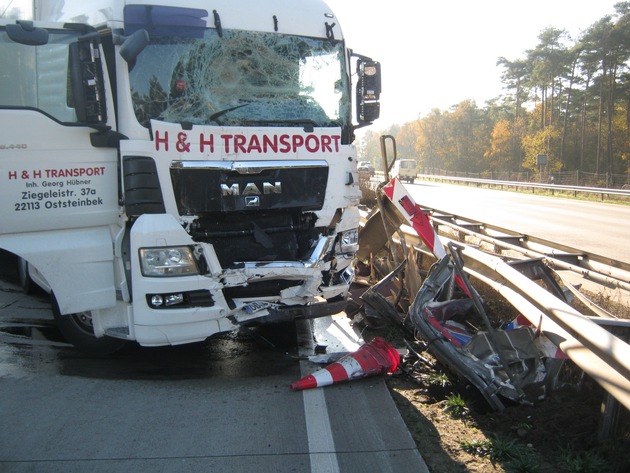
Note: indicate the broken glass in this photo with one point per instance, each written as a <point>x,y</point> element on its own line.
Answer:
<point>242,78</point>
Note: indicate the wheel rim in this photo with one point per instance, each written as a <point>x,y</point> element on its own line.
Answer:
<point>83,321</point>
<point>23,272</point>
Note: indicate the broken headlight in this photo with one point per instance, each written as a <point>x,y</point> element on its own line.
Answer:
<point>170,261</point>
<point>348,241</point>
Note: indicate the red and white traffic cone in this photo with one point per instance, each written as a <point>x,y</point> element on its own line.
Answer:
<point>374,358</point>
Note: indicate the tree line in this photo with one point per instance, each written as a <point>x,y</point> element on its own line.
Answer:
<point>566,107</point>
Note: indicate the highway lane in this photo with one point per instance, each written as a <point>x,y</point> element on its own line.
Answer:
<point>221,405</point>
<point>599,228</point>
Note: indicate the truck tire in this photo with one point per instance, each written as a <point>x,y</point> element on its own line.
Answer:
<point>77,329</point>
<point>26,283</point>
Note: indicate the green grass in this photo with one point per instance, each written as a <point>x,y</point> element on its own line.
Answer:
<point>455,406</point>
<point>517,457</point>
<point>584,462</point>
<point>438,379</point>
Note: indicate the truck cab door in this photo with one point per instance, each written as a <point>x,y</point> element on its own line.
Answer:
<point>58,184</point>
<point>53,102</point>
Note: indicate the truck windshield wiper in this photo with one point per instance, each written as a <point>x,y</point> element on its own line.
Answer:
<point>220,113</point>
<point>308,123</point>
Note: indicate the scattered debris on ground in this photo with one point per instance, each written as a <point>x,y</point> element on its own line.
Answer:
<point>482,387</point>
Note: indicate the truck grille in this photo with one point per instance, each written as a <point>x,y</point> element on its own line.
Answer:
<point>203,188</point>
<point>264,236</point>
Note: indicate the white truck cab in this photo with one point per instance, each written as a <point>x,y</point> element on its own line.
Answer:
<point>170,171</point>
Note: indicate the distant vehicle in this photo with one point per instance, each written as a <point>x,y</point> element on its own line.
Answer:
<point>405,170</point>
<point>366,166</point>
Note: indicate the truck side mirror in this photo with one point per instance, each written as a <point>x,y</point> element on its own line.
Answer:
<point>86,81</point>
<point>24,32</point>
<point>368,91</point>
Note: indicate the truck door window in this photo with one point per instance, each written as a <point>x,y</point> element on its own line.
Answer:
<point>38,75</point>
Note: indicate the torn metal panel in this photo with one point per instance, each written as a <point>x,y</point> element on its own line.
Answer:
<point>379,228</point>
<point>603,356</point>
<point>502,364</point>
<point>414,216</point>
<point>446,311</point>
<point>521,359</point>
<point>382,298</point>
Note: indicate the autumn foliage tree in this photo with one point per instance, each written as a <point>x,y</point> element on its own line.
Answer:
<point>567,98</point>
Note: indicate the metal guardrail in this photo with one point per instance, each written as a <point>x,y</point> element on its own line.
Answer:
<point>595,268</point>
<point>530,185</point>
<point>599,353</point>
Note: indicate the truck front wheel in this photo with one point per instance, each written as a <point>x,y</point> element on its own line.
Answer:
<point>24,278</point>
<point>78,330</point>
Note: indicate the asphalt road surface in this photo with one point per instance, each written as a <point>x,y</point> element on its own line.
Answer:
<point>225,405</point>
<point>599,228</point>
<point>219,406</point>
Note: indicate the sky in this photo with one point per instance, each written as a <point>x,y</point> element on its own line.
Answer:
<point>437,53</point>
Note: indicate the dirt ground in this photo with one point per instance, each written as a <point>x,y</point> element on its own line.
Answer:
<point>558,434</point>
<point>456,430</point>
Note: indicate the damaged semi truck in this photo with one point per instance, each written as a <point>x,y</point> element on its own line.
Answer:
<point>169,171</point>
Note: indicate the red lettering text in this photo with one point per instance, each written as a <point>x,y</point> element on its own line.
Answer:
<point>270,143</point>
<point>74,172</point>
<point>298,141</point>
<point>239,143</point>
<point>254,145</point>
<point>286,144</point>
<point>226,141</point>
<point>203,143</point>
<point>336,140</point>
<point>326,140</point>
<point>312,144</point>
<point>159,140</point>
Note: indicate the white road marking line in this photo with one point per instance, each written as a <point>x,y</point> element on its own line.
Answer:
<point>321,444</point>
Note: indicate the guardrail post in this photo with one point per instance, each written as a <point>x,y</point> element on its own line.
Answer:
<point>609,420</point>
<point>610,411</point>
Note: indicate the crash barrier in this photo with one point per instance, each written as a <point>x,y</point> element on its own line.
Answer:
<point>547,187</point>
<point>602,355</point>
<point>592,267</point>
<point>601,191</point>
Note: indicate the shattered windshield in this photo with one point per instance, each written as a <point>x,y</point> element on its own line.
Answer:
<point>242,78</point>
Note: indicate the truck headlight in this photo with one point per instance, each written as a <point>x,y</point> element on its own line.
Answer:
<point>164,262</point>
<point>349,241</point>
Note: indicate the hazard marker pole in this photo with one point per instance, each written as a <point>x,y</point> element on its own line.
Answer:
<point>420,222</point>
<point>414,215</point>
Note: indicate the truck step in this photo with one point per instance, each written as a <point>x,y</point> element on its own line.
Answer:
<point>117,331</point>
